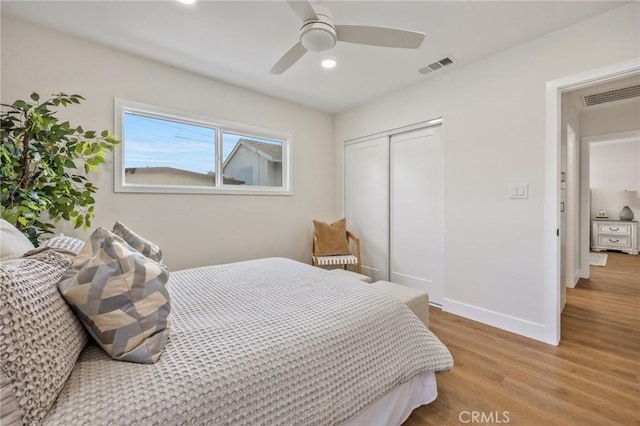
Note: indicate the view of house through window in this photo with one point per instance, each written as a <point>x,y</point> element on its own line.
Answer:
<point>251,161</point>
<point>174,153</point>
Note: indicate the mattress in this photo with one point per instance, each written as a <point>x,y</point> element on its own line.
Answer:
<point>270,341</point>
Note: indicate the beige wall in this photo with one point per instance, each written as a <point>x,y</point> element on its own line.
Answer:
<point>494,135</point>
<point>192,229</point>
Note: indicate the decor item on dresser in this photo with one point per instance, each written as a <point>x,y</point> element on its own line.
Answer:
<point>614,235</point>
<point>41,158</point>
<point>626,213</point>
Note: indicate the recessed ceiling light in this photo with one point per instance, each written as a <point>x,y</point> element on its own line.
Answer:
<point>187,1</point>
<point>328,63</point>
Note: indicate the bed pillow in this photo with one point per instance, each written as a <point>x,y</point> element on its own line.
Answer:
<point>332,238</point>
<point>144,246</point>
<point>13,243</point>
<point>120,297</point>
<point>40,337</point>
<point>68,246</point>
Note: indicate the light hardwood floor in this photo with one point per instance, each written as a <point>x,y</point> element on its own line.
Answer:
<point>591,378</point>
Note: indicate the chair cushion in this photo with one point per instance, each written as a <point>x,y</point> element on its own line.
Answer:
<point>144,246</point>
<point>120,297</point>
<point>40,337</point>
<point>337,260</point>
<point>331,238</point>
<point>13,242</point>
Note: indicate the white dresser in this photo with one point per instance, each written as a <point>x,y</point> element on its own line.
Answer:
<point>614,235</point>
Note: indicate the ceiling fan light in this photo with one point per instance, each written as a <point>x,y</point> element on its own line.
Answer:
<point>318,37</point>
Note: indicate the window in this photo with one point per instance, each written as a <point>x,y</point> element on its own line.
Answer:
<point>173,152</point>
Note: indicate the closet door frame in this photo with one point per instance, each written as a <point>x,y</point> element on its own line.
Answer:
<point>388,134</point>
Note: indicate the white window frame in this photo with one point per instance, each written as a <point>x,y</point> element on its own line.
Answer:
<point>123,106</point>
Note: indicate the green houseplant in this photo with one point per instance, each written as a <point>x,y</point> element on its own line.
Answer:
<point>44,166</point>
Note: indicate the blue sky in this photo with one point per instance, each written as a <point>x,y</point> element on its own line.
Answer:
<point>152,142</point>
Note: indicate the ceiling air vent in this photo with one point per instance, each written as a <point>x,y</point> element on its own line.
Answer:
<point>436,65</point>
<point>612,95</point>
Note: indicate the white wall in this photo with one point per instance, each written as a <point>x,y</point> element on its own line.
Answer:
<point>616,165</point>
<point>494,135</point>
<point>569,225</point>
<point>192,229</point>
<point>612,118</point>
<point>615,177</point>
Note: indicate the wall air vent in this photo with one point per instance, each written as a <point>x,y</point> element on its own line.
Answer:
<point>436,65</point>
<point>612,95</point>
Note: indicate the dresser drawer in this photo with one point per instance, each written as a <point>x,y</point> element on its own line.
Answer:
<point>614,241</point>
<point>614,229</point>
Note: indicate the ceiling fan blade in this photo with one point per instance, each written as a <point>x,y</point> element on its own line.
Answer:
<point>288,59</point>
<point>380,36</point>
<point>303,9</point>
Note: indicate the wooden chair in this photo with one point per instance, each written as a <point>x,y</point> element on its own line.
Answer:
<point>341,259</point>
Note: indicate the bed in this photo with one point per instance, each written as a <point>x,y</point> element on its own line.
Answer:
<point>264,342</point>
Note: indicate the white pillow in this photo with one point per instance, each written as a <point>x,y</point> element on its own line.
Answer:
<point>13,243</point>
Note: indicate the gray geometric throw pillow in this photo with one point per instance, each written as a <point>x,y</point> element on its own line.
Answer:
<point>144,246</point>
<point>120,296</point>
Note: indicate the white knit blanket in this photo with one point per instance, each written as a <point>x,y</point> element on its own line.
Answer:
<point>264,342</point>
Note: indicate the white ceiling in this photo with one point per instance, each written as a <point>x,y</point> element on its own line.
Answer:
<point>239,41</point>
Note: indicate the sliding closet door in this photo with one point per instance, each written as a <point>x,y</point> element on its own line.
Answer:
<point>367,203</point>
<point>416,210</point>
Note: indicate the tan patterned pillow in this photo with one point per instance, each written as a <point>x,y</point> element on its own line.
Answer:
<point>144,246</point>
<point>120,297</point>
<point>62,241</point>
<point>40,337</point>
<point>332,238</point>
<point>62,244</point>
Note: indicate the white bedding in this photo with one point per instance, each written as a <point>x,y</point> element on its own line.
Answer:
<point>396,406</point>
<point>271,341</point>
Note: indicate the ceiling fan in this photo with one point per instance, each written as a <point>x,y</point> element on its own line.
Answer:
<point>318,34</point>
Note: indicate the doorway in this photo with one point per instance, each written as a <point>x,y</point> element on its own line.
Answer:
<point>554,227</point>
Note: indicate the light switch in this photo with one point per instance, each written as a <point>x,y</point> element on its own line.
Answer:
<point>519,190</point>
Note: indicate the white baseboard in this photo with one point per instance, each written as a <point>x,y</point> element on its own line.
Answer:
<point>576,278</point>
<point>519,326</point>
